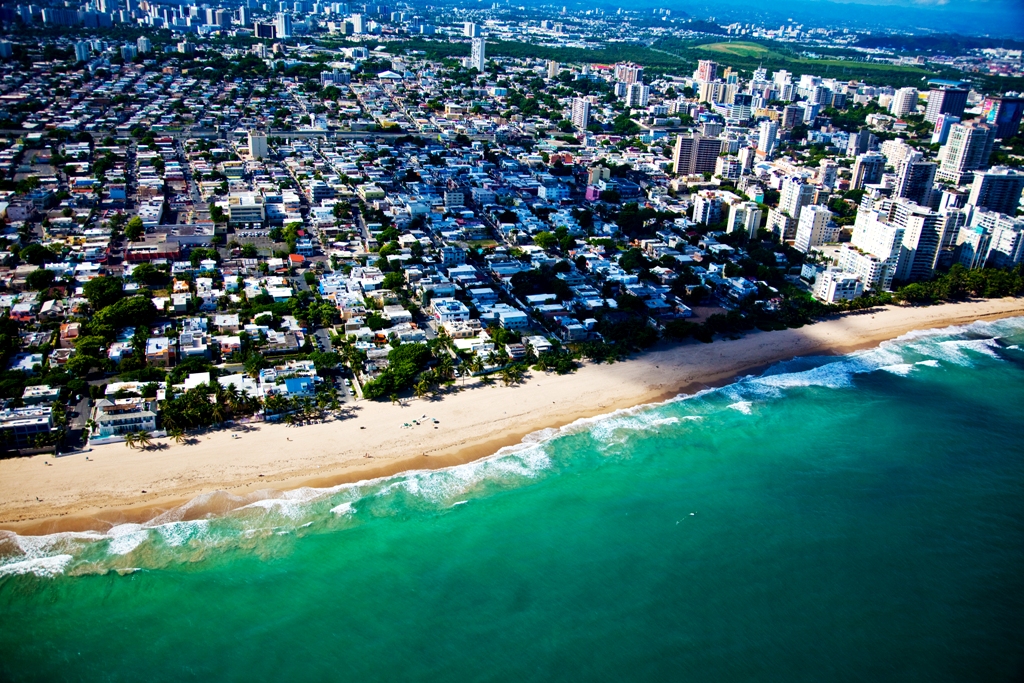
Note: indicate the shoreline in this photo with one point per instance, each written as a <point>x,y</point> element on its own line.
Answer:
<point>119,485</point>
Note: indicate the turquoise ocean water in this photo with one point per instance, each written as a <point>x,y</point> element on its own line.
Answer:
<point>834,519</point>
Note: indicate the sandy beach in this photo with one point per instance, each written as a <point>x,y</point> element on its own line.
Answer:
<point>113,484</point>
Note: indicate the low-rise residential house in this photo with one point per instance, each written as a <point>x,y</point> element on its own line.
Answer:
<point>23,427</point>
<point>117,417</point>
<point>448,310</point>
<point>40,394</point>
<point>160,351</point>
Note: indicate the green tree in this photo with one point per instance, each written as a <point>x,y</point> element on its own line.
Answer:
<point>394,281</point>
<point>148,274</point>
<point>36,254</point>
<point>40,279</point>
<point>103,291</point>
<point>134,230</point>
<point>545,240</point>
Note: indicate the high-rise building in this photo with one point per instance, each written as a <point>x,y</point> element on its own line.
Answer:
<point>580,112</point>
<point>860,142</point>
<point>637,95</point>
<point>950,101</point>
<point>707,207</point>
<point>791,115</point>
<point>766,138</point>
<point>940,134</point>
<point>128,52</point>
<point>61,17</point>
<point>695,153</point>
<point>244,16</point>
<point>895,151</point>
<point>968,149</point>
<point>922,240</point>
<point>283,25</point>
<point>553,69</point>
<point>82,51</point>
<point>744,216</point>
<point>998,189</point>
<point>992,239</point>
<point>828,173</point>
<point>903,102</point>
<point>707,70</point>
<point>358,22</point>
<point>795,195</point>
<point>470,29</point>
<point>1004,113</point>
<point>629,72</point>
<point>144,45</point>
<point>266,31</point>
<point>814,228</point>
<point>867,170</point>
<point>257,145</point>
<point>914,179</point>
<point>478,54</point>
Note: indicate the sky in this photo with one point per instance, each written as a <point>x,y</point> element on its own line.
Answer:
<point>1003,18</point>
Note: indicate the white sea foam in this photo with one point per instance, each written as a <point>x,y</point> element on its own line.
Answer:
<point>179,533</point>
<point>40,566</point>
<point>955,351</point>
<point>343,509</point>
<point>962,345</point>
<point>293,503</point>
<point>125,538</point>
<point>439,486</point>
<point>744,407</point>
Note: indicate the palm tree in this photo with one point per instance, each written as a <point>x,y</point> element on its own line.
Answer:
<point>143,439</point>
<point>445,368</point>
<point>394,399</point>
<point>233,397</point>
<point>176,434</point>
<point>422,388</point>
<point>130,439</point>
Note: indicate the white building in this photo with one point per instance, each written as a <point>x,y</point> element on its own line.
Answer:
<point>478,54</point>
<point>257,145</point>
<point>580,112</point>
<point>814,228</point>
<point>795,195</point>
<point>903,102</point>
<point>123,416</point>
<point>745,216</point>
<point>836,285</point>
<point>637,95</point>
<point>766,138</point>
<point>448,310</point>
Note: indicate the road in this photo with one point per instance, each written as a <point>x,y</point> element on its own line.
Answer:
<point>77,417</point>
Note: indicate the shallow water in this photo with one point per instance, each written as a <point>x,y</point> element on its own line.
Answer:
<point>854,518</point>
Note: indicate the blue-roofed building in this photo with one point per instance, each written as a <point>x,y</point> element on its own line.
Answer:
<point>300,386</point>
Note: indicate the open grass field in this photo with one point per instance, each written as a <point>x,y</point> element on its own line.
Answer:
<point>738,49</point>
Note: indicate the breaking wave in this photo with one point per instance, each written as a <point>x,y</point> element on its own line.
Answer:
<point>221,520</point>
